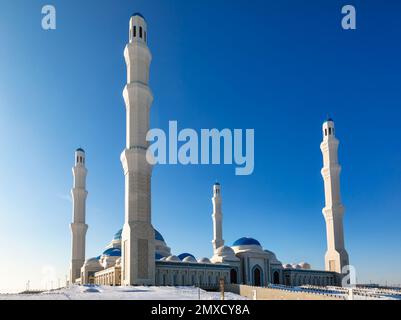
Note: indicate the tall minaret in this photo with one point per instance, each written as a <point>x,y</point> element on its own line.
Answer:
<point>217,217</point>
<point>336,256</point>
<point>78,225</point>
<point>138,238</point>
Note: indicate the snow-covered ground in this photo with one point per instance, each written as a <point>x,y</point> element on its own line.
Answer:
<point>123,293</point>
<point>187,293</point>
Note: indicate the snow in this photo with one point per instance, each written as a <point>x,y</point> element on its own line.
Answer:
<point>123,293</point>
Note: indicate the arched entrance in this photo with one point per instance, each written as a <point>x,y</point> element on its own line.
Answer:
<point>257,276</point>
<point>233,276</point>
<point>276,277</point>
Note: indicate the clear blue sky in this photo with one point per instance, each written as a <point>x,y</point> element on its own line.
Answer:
<point>276,66</point>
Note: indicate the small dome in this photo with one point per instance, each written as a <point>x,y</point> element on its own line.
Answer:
<point>182,256</point>
<point>204,260</point>
<point>158,236</point>
<point>112,252</point>
<point>217,184</point>
<point>138,14</point>
<point>80,150</point>
<point>287,266</point>
<point>296,266</point>
<point>117,235</point>
<point>173,259</point>
<point>225,251</point>
<point>246,242</point>
<point>189,259</point>
<point>305,265</point>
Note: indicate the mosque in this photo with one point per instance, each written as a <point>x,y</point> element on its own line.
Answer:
<point>139,255</point>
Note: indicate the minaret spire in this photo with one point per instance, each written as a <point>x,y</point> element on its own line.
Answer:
<point>217,217</point>
<point>138,238</point>
<point>336,256</point>
<point>78,225</point>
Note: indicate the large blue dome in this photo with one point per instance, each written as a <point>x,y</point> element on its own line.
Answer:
<point>158,236</point>
<point>112,252</point>
<point>246,242</point>
<point>182,256</point>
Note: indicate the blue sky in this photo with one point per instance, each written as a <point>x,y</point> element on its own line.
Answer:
<point>279,67</point>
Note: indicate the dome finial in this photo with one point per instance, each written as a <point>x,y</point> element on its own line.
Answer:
<point>328,118</point>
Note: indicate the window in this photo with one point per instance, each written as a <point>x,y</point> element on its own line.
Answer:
<point>134,31</point>
<point>276,277</point>
<point>325,132</point>
<point>233,276</point>
<point>329,131</point>
<point>140,32</point>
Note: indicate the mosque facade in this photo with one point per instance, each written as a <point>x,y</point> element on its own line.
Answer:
<point>138,254</point>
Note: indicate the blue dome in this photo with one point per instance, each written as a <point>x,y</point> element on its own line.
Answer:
<point>97,258</point>
<point>158,256</point>
<point>112,252</point>
<point>182,256</point>
<point>81,150</point>
<point>138,14</point>
<point>117,236</point>
<point>158,236</point>
<point>246,242</point>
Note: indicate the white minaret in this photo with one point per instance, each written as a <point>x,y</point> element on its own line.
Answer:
<point>336,256</point>
<point>217,217</point>
<point>78,225</point>
<point>138,238</point>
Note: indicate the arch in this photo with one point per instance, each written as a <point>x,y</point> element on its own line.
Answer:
<point>276,277</point>
<point>140,32</point>
<point>257,276</point>
<point>233,276</point>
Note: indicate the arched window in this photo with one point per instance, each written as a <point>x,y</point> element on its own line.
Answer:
<point>257,276</point>
<point>233,276</point>
<point>140,32</point>
<point>134,31</point>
